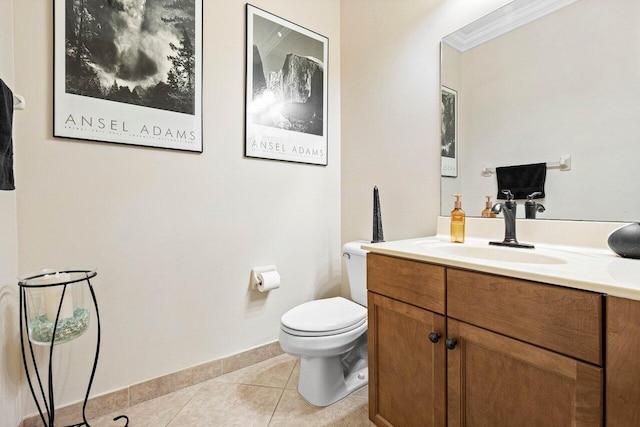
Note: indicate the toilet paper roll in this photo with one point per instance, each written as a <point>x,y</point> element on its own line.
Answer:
<point>268,280</point>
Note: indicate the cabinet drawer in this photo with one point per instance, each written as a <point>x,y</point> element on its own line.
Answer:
<point>413,282</point>
<point>568,321</point>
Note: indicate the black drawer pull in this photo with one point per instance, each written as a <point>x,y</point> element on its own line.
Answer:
<point>450,343</point>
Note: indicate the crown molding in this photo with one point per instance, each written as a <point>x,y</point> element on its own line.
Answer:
<point>507,18</point>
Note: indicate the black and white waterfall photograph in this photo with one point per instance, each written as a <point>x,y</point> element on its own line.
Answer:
<point>449,132</point>
<point>288,81</point>
<point>139,52</point>
<point>129,72</point>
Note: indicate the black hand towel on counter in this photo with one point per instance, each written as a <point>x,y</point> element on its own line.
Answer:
<point>6,144</point>
<point>522,180</point>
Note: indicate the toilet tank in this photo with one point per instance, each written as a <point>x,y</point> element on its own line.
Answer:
<point>356,260</point>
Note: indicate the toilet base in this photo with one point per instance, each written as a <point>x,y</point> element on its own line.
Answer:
<point>325,380</point>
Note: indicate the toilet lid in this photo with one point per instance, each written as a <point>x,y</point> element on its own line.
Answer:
<point>324,317</point>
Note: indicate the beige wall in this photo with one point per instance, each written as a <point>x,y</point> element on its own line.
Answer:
<point>11,376</point>
<point>391,110</point>
<point>174,235</point>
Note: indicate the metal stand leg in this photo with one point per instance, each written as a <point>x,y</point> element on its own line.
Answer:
<point>95,360</point>
<point>23,317</point>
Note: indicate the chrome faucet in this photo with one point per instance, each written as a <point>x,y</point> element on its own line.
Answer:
<point>508,209</point>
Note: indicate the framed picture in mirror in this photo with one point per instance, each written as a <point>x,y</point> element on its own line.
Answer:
<point>449,132</point>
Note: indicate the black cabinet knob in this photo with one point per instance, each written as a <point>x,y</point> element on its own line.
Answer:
<point>434,337</point>
<point>450,343</point>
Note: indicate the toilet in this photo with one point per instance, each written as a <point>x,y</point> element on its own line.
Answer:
<point>330,337</point>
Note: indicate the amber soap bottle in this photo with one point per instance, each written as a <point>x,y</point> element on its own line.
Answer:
<point>457,221</point>
<point>486,213</point>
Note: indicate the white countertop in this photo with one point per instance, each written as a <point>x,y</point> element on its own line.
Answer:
<point>587,268</point>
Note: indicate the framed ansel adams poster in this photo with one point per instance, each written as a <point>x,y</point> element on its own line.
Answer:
<point>449,133</point>
<point>286,105</point>
<point>129,72</point>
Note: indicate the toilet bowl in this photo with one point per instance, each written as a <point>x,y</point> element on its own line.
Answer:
<point>330,337</point>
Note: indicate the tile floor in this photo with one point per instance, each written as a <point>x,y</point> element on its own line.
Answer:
<point>264,394</point>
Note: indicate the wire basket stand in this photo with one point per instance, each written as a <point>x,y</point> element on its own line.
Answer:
<point>49,321</point>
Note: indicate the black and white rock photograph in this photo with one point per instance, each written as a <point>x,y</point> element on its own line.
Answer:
<point>139,52</point>
<point>288,78</point>
<point>286,115</point>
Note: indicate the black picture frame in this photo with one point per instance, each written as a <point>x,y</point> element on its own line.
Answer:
<point>286,104</point>
<point>131,77</point>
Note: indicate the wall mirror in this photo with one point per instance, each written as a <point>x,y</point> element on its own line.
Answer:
<point>540,81</point>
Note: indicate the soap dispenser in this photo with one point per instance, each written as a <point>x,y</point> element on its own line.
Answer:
<point>531,207</point>
<point>487,213</point>
<point>457,221</point>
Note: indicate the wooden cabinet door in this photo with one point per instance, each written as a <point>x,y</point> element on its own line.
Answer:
<point>496,381</point>
<point>407,383</point>
<point>623,362</point>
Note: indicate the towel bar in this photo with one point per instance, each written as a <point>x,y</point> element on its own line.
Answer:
<point>19,103</point>
<point>564,164</point>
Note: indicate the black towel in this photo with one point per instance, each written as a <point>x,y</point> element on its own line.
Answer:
<point>6,144</point>
<point>522,180</point>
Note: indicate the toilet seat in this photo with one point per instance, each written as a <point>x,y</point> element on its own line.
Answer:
<point>326,317</point>
<point>322,333</point>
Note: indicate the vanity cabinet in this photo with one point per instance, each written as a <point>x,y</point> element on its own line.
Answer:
<point>514,352</point>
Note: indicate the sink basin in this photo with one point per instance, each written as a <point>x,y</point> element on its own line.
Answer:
<point>492,253</point>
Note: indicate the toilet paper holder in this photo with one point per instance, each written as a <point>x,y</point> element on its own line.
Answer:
<point>255,280</point>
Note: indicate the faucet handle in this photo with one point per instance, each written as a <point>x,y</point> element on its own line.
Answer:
<point>534,194</point>
<point>509,194</point>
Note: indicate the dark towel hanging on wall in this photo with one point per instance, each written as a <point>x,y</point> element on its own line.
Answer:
<point>6,144</point>
<point>522,180</point>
